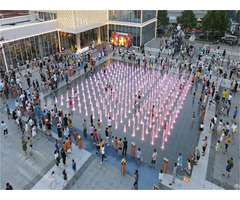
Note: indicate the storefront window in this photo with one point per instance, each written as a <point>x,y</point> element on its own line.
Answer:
<point>148,14</point>
<point>148,32</point>
<point>134,31</point>
<point>125,15</point>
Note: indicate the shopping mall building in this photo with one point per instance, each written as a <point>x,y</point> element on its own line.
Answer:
<point>42,33</point>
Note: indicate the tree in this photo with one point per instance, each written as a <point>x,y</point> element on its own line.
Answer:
<point>238,16</point>
<point>162,17</point>
<point>215,21</point>
<point>187,19</point>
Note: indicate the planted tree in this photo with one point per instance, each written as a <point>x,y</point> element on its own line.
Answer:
<point>162,17</point>
<point>215,21</point>
<point>187,19</point>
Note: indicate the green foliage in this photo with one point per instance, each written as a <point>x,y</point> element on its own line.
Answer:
<point>215,20</point>
<point>238,17</point>
<point>162,17</point>
<point>187,19</point>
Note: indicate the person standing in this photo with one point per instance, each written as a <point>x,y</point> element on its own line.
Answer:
<point>57,147</point>
<point>180,161</point>
<point>139,156</point>
<point>57,158</point>
<point>228,167</point>
<point>63,155</point>
<point>160,177</point>
<point>193,117</point>
<point>99,129</point>
<point>74,167</point>
<point>201,128</point>
<point>85,128</point>
<point>103,154</point>
<point>120,143</point>
<point>107,136</point>
<point>154,158</point>
<point>65,178</point>
<point>174,174</point>
<point>4,128</point>
<point>125,145</point>
<point>30,144</point>
<point>234,129</point>
<point>224,95</point>
<point>53,176</point>
<point>227,142</point>
<point>235,113</point>
<point>91,131</point>
<point>204,145</point>
<point>188,166</point>
<point>110,129</point>
<point>217,145</point>
<point>8,112</point>
<point>136,180</point>
<point>24,145</point>
<point>228,107</point>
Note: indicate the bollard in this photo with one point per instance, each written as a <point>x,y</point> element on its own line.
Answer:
<point>165,165</point>
<point>21,110</point>
<point>79,141</point>
<point>123,166</point>
<point>133,147</point>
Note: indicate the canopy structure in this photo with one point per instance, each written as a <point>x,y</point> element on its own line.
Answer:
<point>199,20</point>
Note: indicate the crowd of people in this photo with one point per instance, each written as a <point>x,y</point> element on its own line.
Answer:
<point>61,66</point>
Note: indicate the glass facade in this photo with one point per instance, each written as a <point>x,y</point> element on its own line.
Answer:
<point>103,33</point>
<point>30,48</point>
<point>125,15</point>
<point>148,32</point>
<point>67,40</point>
<point>135,32</point>
<point>46,16</point>
<point>148,14</point>
<point>88,36</point>
<point>2,64</point>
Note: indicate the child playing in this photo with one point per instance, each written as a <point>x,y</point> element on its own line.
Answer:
<point>116,144</point>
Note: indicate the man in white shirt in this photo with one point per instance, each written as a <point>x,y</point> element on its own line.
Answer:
<point>19,114</point>
<point>230,97</point>
<point>234,129</point>
<point>22,96</point>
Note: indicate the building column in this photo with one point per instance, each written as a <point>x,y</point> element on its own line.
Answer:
<point>78,41</point>
<point>141,27</point>
<point>59,43</point>
<point>99,35</point>
<point>4,57</point>
<point>108,38</point>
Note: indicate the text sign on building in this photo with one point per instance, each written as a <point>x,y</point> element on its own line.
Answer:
<point>82,22</point>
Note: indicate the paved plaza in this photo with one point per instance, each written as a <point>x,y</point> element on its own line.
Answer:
<point>33,172</point>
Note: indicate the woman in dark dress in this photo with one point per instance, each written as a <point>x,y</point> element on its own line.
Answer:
<point>63,155</point>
